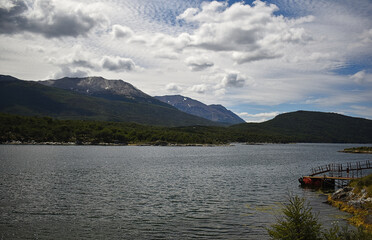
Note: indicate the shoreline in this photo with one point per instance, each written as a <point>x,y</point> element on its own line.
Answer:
<point>357,204</point>
<point>361,150</point>
<point>156,144</point>
<point>356,151</point>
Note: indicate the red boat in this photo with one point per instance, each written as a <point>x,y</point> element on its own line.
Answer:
<point>316,182</point>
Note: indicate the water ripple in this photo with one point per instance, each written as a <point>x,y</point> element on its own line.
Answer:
<point>87,192</point>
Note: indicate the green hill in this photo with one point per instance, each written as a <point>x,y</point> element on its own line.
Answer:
<point>33,99</point>
<point>306,126</point>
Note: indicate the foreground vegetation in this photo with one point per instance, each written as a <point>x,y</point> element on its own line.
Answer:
<point>298,222</point>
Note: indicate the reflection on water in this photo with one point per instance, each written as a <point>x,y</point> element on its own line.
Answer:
<point>93,192</point>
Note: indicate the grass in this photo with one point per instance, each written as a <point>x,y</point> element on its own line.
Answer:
<point>358,215</point>
<point>363,183</point>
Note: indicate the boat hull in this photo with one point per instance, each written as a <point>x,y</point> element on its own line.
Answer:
<point>316,182</point>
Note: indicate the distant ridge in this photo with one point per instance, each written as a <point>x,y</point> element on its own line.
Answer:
<point>6,78</point>
<point>310,126</point>
<point>124,104</point>
<point>30,98</point>
<point>216,113</point>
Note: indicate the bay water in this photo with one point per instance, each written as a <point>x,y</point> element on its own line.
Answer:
<point>148,192</point>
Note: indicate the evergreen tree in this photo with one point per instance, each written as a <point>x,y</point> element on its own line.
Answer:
<point>298,222</point>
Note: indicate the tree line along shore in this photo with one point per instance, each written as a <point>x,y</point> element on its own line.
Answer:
<point>287,128</point>
<point>17,129</point>
<point>358,150</point>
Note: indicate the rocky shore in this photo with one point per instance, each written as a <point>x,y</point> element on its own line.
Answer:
<point>349,199</point>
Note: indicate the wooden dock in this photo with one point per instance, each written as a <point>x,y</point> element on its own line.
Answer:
<point>352,170</point>
<point>335,174</point>
<point>327,177</point>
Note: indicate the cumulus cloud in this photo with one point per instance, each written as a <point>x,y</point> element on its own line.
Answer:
<point>45,18</point>
<point>80,62</point>
<point>161,40</point>
<point>11,18</point>
<point>233,79</point>
<point>198,63</point>
<point>152,40</point>
<point>188,14</point>
<point>222,81</point>
<point>78,58</point>
<point>118,64</point>
<point>261,54</point>
<point>120,31</point>
<point>5,4</point>
<point>247,33</point>
<point>206,13</point>
<point>251,33</point>
<point>172,87</point>
<point>66,71</point>
<point>200,88</point>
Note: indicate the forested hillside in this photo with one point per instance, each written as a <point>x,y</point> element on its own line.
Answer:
<point>31,98</point>
<point>292,127</point>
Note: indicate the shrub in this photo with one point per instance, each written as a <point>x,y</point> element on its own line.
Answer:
<point>298,222</point>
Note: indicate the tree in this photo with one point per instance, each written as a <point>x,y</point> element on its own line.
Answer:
<point>298,222</point>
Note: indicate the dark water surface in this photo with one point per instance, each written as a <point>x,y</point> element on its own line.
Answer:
<point>95,192</point>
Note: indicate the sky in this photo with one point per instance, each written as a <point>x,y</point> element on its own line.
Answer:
<point>256,58</point>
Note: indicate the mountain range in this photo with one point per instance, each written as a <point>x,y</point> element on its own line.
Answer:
<point>96,99</point>
<point>93,98</point>
<point>215,113</point>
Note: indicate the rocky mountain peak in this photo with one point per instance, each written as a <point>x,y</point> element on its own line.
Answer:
<point>97,85</point>
<point>216,113</point>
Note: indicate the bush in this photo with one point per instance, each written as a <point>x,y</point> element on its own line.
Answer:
<point>298,223</point>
